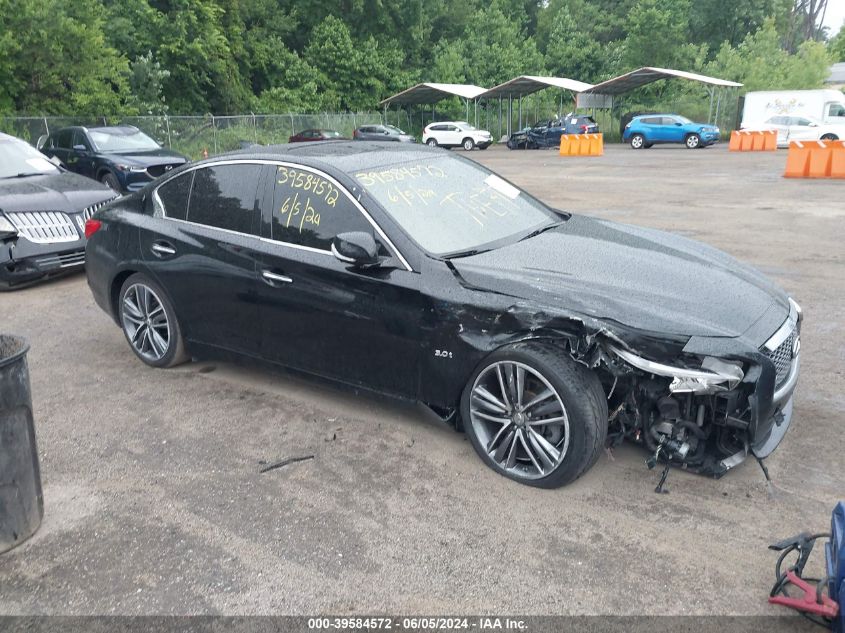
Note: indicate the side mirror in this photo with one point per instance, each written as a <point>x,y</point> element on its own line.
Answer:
<point>356,248</point>
<point>678,123</point>
<point>814,125</point>
<point>80,148</point>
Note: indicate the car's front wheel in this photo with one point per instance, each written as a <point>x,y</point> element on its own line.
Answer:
<point>111,180</point>
<point>637,141</point>
<point>535,415</point>
<point>149,323</point>
<point>468,144</point>
<point>693,141</point>
<point>432,142</point>
<point>830,137</point>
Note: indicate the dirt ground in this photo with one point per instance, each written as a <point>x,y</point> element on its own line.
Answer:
<point>155,504</point>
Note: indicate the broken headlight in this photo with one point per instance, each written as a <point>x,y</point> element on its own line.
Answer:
<point>713,375</point>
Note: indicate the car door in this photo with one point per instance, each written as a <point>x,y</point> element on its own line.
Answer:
<point>201,245</point>
<point>61,144</point>
<point>672,130</point>
<point>318,314</point>
<point>781,125</point>
<point>652,129</point>
<point>82,155</point>
<point>455,135</point>
<point>802,129</point>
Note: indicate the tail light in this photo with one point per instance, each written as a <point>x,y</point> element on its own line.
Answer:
<point>584,128</point>
<point>355,134</point>
<point>91,227</point>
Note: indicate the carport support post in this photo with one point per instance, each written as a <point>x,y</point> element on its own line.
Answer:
<point>500,117</point>
<point>710,113</point>
<point>520,111</point>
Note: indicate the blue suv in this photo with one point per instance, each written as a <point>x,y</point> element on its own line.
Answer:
<point>646,130</point>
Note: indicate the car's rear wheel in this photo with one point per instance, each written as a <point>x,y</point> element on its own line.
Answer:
<point>693,141</point>
<point>535,415</point>
<point>468,144</point>
<point>149,323</point>
<point>830,137</point>
<point>432,142</point>
<point>637,141</point>
<point>111,180</point>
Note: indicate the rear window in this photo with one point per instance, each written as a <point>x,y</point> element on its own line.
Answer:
<point>171,198</point>
<point>224,197</point>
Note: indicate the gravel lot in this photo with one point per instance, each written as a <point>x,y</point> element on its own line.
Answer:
<point>154,502</point>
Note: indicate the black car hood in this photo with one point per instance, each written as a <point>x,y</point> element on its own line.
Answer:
<point>149,157</point>
<point>642,278</point>
<point>67,192</point>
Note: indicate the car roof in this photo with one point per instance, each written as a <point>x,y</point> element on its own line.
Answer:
<point>118,130</point>
<point>640,116</point>
<point>345,156</point>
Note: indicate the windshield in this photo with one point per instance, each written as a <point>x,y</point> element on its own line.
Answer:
<point>466,126</point>
<point>448,205</point>
<point>682,119</point>
<point>20,159</point>
<point>121,142</point>
<point>394,128</point>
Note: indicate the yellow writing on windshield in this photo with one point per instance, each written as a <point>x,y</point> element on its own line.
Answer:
<point>370,178</point>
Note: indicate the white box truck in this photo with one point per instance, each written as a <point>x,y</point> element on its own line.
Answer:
<point>826,106</point>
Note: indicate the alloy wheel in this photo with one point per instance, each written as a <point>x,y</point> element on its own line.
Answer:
<point>692,141</point>
<point>145,322</point>
<point>520,419</point>
<point>637,142</point>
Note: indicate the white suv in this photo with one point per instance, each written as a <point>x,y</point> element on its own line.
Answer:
<point>456,134</point>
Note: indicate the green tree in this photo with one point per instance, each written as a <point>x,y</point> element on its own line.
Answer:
<point>836,46</point>
<point>760,63</point>
<point>54,59</point>
<point>146,77</point>
<point>658,34</point>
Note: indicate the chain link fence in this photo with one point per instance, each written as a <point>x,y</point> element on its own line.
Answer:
<point>195,135</point>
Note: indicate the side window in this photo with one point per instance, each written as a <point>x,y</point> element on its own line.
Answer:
<point>651,121</point>
<point>309,210</point>
<point>225,197</point>
<point>171,198</point>
<point>64,138</point>
<point>668,120</point>
<point>800,121</point>
<point>79,139</point>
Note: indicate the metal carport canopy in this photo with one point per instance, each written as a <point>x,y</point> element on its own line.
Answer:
<point>529,84</point>
<point>642,76</point>
<point>427,93</point>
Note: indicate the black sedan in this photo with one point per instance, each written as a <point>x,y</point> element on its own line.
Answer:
<point>43,209</point>
<point>417,273</point>
<point>547,133</point>
<point>122,157</point>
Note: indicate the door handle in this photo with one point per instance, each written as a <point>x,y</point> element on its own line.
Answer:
<point>272,278</point>
<point>162,248</point>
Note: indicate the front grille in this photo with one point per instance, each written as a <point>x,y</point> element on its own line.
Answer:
<point>64,260</point>
<point>44,227</point>
<point>782,355</point>
<point>157,170</point>
<point>88,212</point>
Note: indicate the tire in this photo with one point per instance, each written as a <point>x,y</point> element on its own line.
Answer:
<point>483,147</point>
<point>111,180</point>
<point>151,305</point>
<point>637,141</point>
<point>468,144</point>
<point>648,145</point>
<point>693,141</point>
<point>830,137</point>
<point>575,401</point>
<point>432,142</point>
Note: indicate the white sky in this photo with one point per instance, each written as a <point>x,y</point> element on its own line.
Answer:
<point>835,15</point>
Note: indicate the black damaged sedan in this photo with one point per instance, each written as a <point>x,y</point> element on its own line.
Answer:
<point>410,271</point>
<point>43,209</point>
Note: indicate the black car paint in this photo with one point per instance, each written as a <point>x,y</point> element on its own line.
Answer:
<point>96,164</point>
<point>420,333</point>
<point>23,261</point>
<point>546,134</point>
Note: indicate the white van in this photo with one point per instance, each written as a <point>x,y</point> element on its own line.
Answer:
<point>827,106</point>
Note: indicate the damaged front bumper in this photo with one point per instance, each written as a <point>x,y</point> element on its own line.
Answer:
<point>708,417</point>
<point>23,262</point>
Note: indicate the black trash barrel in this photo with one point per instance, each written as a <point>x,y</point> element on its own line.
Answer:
<point>21,500</point>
